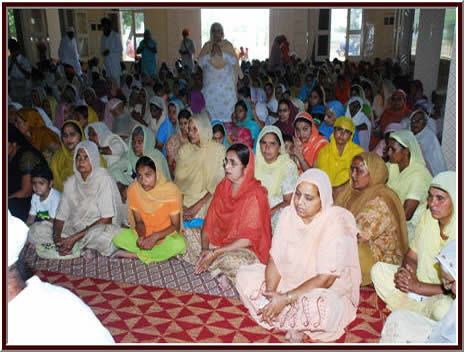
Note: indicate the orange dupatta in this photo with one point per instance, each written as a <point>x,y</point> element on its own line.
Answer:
<point>246,214</point>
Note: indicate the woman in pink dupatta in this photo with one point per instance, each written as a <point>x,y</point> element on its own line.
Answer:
<point>313,275</point>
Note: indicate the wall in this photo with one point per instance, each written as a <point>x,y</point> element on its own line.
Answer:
<point>293,23</point>
<point>383,34</point>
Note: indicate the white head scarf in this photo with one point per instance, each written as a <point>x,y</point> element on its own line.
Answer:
<point>17,236</point>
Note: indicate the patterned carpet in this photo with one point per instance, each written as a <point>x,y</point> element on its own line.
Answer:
<point>144,314</point>
<point>172,274</point>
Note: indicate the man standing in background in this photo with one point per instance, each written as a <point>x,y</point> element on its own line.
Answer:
<point>111,48</point>
<point>68,53</point>
<point>187,49</point>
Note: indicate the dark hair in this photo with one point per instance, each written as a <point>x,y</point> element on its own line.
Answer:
<point>105,20</point>
<point>242,152</point>
<point>145,161</point>
<point>245,91</point>
<point>218,128</point>
<point>268,84</point>
<point>275,135</point>
<point>83,110</point>
<point>69,123</point>
<point>184,114</point>
<point>318,90</point>
<point>287,138</point>
<point>303,119</point>
<point>242,104</point>
<point>15,136</point>
<point>43,171</point>
<point>138,130</point>
<point>284,101</point>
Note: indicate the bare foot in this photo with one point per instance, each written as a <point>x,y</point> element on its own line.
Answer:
<point>223,282</point>
<point>295,336</point>
<point>124,254</point>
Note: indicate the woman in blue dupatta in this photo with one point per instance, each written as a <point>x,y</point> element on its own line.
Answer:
<point>220,133</point>
<point>308,86</point>
<point>244,118</point>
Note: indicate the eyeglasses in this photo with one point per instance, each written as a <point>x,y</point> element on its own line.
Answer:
<point>231,162</point>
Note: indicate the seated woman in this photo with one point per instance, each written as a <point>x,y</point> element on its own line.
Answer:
<point>32,126</point>
<point>308,141</point>
<point>396,110</point>
<point>335,157</point>
<point>22,158</point>
<point>89,213</point>
<point>199,169</point>
<point>310,284</point>
<point>415,285</point>
<point>276,171</point>
<point>433,155</point>
<point>244,118</point>
<point>287,113</point>
<point>408,176</point>
<point>383,234</point>
<point>85,115</point>
<point>177,140</point>
<point>154,217</point>
<point>219,133</point>
<point>62,164</point>
<point>141,142</point>
<point>168,127</point>
<point>361,121</point>
<point>237,229</point>
<point>404,326</point>
<point>110,145</point>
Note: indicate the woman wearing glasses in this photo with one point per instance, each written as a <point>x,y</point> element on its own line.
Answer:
<point>237,227</point>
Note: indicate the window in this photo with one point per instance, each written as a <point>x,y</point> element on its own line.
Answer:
<point>12,24</point>
<point>346,28</point>
<point>132,29</point>
<point>338,33</point>
<point>247,28</point>
<point>448,34</point>
<point>415,32</point>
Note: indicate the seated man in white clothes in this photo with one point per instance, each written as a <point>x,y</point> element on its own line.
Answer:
<point>43,314</point>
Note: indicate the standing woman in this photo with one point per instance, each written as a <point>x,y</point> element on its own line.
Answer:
<point>148,49</point>
<point>220,73</point>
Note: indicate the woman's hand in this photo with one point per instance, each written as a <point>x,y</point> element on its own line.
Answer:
<point>298,148</point>
<point>149,242</point>
<point>191,212</point>
<point>271,311</point>
<point>206,258</point>
<point>406,280</point>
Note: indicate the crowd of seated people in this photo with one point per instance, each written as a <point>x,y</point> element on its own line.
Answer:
<point>316,180</point>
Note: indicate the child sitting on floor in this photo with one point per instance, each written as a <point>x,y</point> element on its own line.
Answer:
<point>46,199</point>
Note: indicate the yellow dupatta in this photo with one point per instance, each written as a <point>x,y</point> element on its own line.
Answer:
<point>337,166</point>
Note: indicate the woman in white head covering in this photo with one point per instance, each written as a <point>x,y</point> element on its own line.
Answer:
<point>404,326</point>
<point>110,145</point>
<point>362,123</point>
<point>418,123</point>
<point>90,211</point>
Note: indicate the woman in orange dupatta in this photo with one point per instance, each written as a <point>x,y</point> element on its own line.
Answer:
<point>396,110</point>
<point>237,228</point>
<point>31,124</point>
<point>308,141</point>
